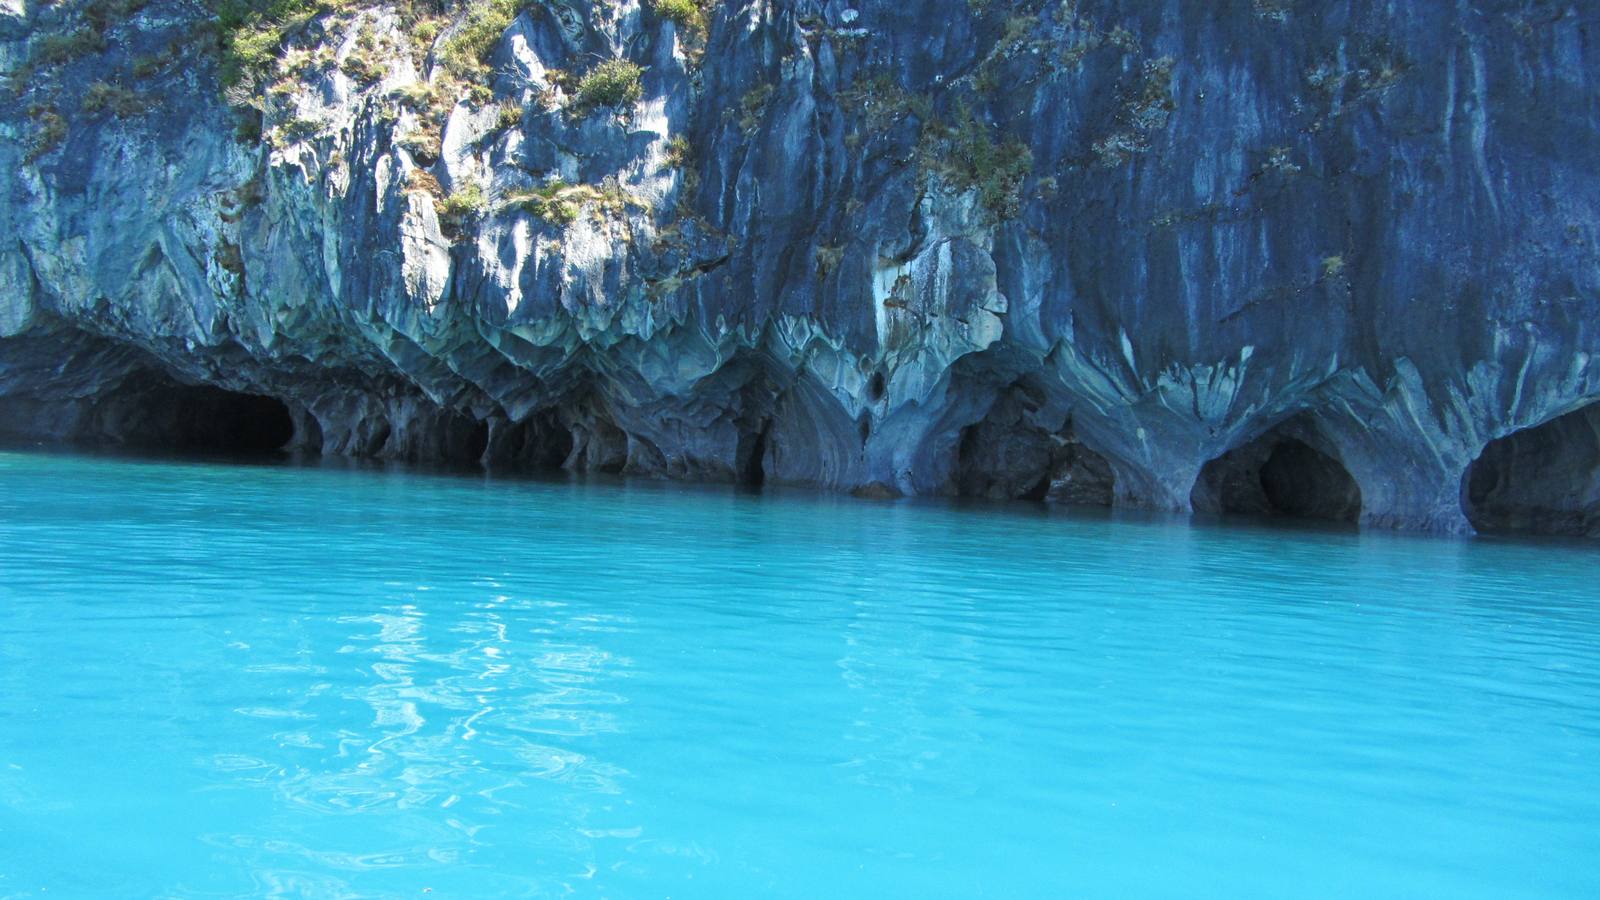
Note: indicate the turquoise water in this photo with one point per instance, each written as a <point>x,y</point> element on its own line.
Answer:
<point>245,680</point>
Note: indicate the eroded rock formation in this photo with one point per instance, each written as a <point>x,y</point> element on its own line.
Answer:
<point>1316,258</point>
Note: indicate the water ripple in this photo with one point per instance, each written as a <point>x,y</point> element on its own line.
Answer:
<point>269,681</point>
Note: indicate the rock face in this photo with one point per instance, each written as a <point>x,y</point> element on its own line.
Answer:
<point>1283,255</point>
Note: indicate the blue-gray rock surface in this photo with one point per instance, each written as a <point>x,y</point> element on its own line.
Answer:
<point>1274,255</point>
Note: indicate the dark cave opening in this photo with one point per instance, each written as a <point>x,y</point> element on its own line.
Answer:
<point>750,457</point>
<point>1543,480</point>
<point>167,416</point>
<point>374,434</point>
<point>553,447</point>
<point>1026,448</point>
<point>1006,456</point>
<point>972,476</point>
<point>214,420</point>
<point>477,441</point>
<point>1299,480</point>
<point>538,443</point>
<point>600,446</point>
<point>466,440</point>
<point>1278,475</point>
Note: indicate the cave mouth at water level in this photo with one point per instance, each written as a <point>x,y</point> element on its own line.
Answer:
<point>200,419</point>
<point>1541,480</point>
<point>1278,475</point>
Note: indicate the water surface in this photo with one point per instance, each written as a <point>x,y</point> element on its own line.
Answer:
<point>226,680</point>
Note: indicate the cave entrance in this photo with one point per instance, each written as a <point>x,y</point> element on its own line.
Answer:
<point>157,414</point>
<point>462,440</point>
<point>205,419</point>
<point>750,457</point>
<point>538,443</point>
<point>1278,474</point>
<point>1543,480</point>
<point>1031,464</point>
<point>1025,448</point>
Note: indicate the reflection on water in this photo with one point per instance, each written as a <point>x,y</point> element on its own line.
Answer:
<point>434,728</point>
<point>221,681</point>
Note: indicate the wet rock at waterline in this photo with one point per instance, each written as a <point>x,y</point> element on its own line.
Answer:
<point>1334,260</point>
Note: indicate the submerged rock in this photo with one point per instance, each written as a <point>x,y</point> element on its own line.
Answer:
<point>1312,258</point>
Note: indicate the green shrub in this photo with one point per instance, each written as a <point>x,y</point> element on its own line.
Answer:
<point>102,14</point>
<point>419,95</point>
<point>363,69</point>
<point>251,33</point>
<point>880,101</point>
<point>557,202</point>
<point>56,49</point>
<point>970,159</point>
<point>478,95</point>
<point>467,202</point>
<point>427,100</point>
<point>424,146</point>
<point>679,152</point>
<point>50,131</point>
<point>686,14</point>
<point>115,99</point>
<point>560,203</point>
<point>465,53</point>
<point>615,82</point>
<point>149,65</point>
<point>509,116</point>
<point>300,128</point>
<point>1143,112</point>
<point>425,31</point>
<point>753,107</point>
<point>693,21</point>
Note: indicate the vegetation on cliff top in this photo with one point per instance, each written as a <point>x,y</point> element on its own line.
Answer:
<point>251,34</point>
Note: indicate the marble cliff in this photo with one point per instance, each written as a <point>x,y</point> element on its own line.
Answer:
<point>1333,258</point>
